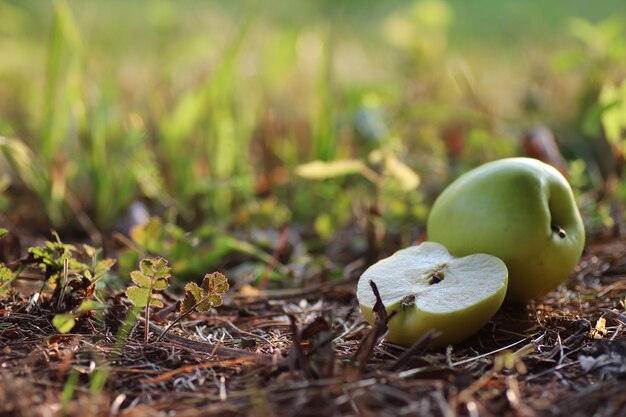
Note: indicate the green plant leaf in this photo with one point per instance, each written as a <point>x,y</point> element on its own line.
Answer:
<point>102,267</point>
<point>146,266</point>
<point>613,117</point>
<point>64,323</point>
<point>141,279</point>
<point>90,305</point>
<point>138,296</point>
<point>156,302</point>
<point>150,235</point>
<point>6,277</point>
<point>160,284</point>
<point>90,250</point>
<point>3,232</point>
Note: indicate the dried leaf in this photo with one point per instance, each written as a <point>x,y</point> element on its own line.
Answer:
<point>395,168</point>
<point>193,294</point>
<point>321,170</point>
<point>214,300</point>
<point>215,283</point>
<point>90,250</point>
<point>600,330</point>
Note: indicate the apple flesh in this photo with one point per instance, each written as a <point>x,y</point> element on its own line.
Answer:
<point>518,209</point>
<point>429,289</point>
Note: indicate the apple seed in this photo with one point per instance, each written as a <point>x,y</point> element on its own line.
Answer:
<point>437,275</point>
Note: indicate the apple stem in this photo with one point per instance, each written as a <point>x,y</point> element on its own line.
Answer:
<point>559,230</point>
<point>407,301</point>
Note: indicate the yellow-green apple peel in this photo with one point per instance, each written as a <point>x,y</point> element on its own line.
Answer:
<point>518,209</point>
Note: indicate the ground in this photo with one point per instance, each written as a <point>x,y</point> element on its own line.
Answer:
<point>309,352</point>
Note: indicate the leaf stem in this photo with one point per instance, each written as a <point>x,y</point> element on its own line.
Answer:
<point>147,314</point>
<point>179,318</point>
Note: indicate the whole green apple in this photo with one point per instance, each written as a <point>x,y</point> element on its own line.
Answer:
<point>518,209</point>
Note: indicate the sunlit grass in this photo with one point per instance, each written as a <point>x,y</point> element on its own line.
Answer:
<point>204,108</point>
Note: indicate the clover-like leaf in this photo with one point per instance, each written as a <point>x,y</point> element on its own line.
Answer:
<point>193,295</point>
<point>138,296</point>
<point>156,302</point>
<point>153,275</point>
<point>146,266</point>
<point>210,294</point>
<point>160,284</point>
<point>141,279</point>
<point>215,283</point>
<point>214,300</point>
<point>201,298</point>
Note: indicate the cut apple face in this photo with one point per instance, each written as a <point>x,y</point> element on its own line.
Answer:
<point>429,289</point>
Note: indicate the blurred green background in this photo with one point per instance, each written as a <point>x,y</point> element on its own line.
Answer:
<point>209,112</point>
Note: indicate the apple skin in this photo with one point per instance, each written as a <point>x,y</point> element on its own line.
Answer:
<point>455,326</point>
<point>509,208</point>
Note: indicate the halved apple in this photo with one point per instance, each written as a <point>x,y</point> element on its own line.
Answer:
<point>429,289</point>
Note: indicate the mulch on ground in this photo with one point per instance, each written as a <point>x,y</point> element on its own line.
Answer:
<point>309,352</point>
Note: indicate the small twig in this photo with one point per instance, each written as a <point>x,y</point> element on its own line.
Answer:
<point>190,368</point>
<point>63,283</point>
<point>205,347</point>
<point>249,334</point>
<point>421,344</point>
<point>298,356</point>
<point>282,240</point>
<point>379,329</point>
<point>484,355</point>
<point>178,319</point>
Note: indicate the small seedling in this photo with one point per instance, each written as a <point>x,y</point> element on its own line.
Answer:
<point>209,294</point>
<point>153,275</point>
<point>77,288</point>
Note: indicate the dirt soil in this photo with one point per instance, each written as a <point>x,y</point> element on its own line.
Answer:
<point>308,352</point>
